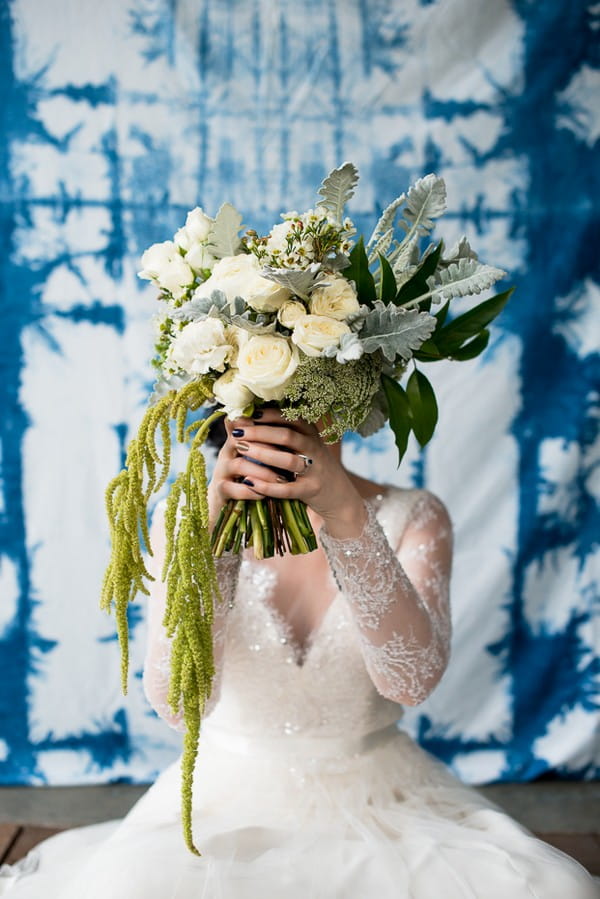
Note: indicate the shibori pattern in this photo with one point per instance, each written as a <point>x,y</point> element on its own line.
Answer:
<point>118,118</point>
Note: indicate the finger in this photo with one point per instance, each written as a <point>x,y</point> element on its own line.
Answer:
<point>270,416</point>
<point>247,467</point>
<point>273,457</point>
<point>238,490</point>
<point>283,437</point>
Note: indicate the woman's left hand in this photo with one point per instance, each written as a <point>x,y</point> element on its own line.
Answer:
<point>269,441</point>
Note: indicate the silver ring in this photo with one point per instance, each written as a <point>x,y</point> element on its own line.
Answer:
<point>307,463</point>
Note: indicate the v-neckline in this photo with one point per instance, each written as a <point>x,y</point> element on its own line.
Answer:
<point>286,635</point>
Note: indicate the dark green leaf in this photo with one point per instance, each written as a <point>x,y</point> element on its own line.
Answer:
<point>441,315</point>
<point>427,352</point>
<point>423,406</point>
<point>388,286</point>
<point>473,348</point>
<point>451,337</point>
<point>417,285</point>
<point>358,271</point>
<point>399,410</point>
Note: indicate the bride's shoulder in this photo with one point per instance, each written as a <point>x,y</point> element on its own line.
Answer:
<point>416,505</point>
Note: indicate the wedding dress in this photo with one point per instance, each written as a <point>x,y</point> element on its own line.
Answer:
<point>304,786</point>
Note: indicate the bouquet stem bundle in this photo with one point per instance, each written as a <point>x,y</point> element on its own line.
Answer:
<point>268,525</point>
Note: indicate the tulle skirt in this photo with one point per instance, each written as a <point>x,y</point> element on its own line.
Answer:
<point>389,822</point>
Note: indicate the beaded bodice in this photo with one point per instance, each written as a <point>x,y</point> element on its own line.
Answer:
<point>383,640</point>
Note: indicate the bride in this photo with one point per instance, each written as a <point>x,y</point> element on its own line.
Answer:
<point>304,787</point>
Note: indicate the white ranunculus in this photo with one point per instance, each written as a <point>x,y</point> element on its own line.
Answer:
<point>266,363</point>
<point>239,276</point>
<point>156,258</point>
<point>336,299</point>
<point>290,312</point>
<point>200,347</point>
<point>314,333</point>
<point>232,394</point>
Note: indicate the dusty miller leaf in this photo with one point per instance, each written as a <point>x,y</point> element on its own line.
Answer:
<point>395,331</point>
<point>223,237</point>
<point>299,281</point>
<point>199,307</point>
<point>461,250</point>
<point>337,188</point>
<point>386,220</point>
<point>463,278</point>
<point>425,202</point>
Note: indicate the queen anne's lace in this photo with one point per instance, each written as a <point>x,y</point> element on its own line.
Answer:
<point>399,597</point>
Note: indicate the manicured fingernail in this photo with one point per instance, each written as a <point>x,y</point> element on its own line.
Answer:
<point>248,482</point>
<point>282,480</point>
<point>238,432</point>
<point>242,446</point>
<point>257,413</point>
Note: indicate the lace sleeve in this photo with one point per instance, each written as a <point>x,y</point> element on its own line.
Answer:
<point>399,598</point>
<point>157,664</point>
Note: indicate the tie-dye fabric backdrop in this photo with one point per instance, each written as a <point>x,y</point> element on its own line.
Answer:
<point>119,116</point>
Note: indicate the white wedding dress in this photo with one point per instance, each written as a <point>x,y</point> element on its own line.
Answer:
<point>304,787</point>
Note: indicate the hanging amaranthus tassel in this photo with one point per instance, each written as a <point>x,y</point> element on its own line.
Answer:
<point>189,571</point>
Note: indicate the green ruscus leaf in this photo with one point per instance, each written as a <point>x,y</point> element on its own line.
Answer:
<point>423,406</point>
<point>451,337</point>
<point>358,271</point>
<point>387,284</point>
<point>399,410</point>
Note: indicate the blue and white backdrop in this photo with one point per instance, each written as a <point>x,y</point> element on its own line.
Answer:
<point>119,116</point>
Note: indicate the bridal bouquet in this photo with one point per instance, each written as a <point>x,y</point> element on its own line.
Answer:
<point>312,319</point>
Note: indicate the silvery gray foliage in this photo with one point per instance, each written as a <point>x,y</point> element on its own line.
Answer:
<point>425,201</point>
<point>299,281</point>
<point>223,237</point>
<point>461,250</point>
<point>200,307</point>
<point>260,325</point>
<point>381,245</point>
<point>164,384</point>
<point>395,331</point>
<point>335,262</point>
<point>337,188</point>
<point>462,278</point>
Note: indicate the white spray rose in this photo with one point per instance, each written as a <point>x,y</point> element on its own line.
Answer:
<point>156,258</point>
<point>196,229</point>
<point>200,347</point>
<point>336,299</point>
<point>232,394</point>
<point>198,257</point>
<point>290,312</point>
<point>266,363</point>
<point>163,264</point>
<point>239,276</point>
<point>314,333</point>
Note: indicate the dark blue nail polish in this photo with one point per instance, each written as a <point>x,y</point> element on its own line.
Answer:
<point>257,413</point>
<point>238,432</point>
<point>248,482</point>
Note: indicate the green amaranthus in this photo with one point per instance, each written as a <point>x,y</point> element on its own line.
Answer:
<point>189,570</point>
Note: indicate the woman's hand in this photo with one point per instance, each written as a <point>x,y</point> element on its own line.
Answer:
<point>255,446</point>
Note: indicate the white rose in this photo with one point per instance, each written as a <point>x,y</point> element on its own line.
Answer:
<point>156,258</point>
<point>290,312</point>
<point>266,363</point>
<point>200,347</point>
<point>239,276</point>
<point>196,229</point>
<point>336,299</point>
<point>232,394</point>
<point>314,333</point>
